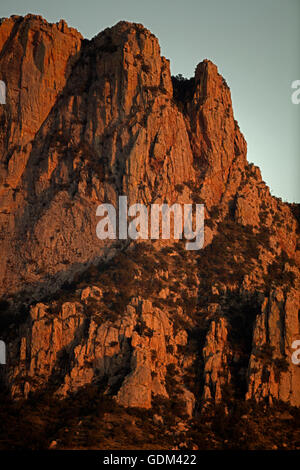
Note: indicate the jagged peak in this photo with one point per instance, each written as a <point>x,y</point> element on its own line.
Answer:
<point>125,26</point>
<point>125,32</point>
<point>32,19</point>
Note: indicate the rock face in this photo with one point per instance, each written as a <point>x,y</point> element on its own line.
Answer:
<point>218,146</point>
<point>217,355</point>
<point>85,122</point>
<point>270,374</point>
<point>107,134</point>
<point>36,61</point>
<point>131,354</point>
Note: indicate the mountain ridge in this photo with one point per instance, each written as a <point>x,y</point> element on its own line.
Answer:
<point>146,323</point>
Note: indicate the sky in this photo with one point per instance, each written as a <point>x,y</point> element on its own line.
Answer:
<point>255,45</point>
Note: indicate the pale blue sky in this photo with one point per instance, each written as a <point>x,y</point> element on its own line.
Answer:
<point>255,45</point>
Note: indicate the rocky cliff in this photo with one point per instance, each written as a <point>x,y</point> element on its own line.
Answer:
<point>146,323</point>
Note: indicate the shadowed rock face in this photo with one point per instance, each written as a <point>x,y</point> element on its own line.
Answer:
<point>85,122</point>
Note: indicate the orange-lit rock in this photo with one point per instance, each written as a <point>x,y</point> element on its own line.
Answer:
<point>85,122</point>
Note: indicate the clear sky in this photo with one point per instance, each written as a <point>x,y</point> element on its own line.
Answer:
<point>255,45</point>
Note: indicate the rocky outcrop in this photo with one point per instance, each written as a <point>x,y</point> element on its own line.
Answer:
<point>217,356</point>
<point>142,354</point>
<point>66,350</point>
<point>85,122</point>
<point>36,61</point>
<point>218,146</point>
<point>114,130</point>
<point>272,375</point>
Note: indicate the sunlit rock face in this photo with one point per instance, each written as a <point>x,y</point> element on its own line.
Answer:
<point>85,122</point>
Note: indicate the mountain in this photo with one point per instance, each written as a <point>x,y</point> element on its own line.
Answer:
<point>143,335</point>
